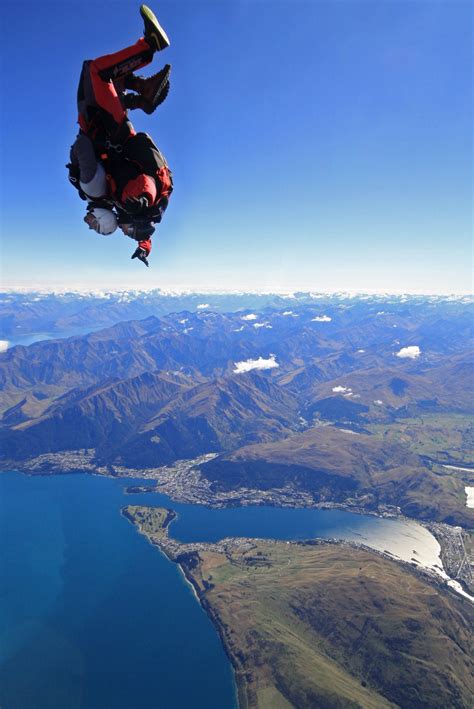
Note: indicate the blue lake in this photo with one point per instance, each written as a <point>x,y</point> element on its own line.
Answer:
<point>30,338</point>
<point>93,616</point>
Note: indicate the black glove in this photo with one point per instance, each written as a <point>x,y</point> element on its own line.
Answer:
<point>135,205</point>
<point>141,254</point>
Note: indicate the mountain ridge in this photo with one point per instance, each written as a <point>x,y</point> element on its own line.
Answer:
<point>154,391</point>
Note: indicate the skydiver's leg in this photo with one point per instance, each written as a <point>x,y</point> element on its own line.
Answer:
<point>112,66</point>
<point>101,88</point>
<point>102,116</point>
<point>106,76</point>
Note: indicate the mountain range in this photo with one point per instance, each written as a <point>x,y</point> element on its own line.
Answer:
<point>268,389</point>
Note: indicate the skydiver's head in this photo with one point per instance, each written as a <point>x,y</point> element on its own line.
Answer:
<point>103,221</point>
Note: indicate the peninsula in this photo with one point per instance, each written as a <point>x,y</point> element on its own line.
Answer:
<point>325,624</point>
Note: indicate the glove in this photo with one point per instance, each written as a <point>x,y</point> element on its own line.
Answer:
<point>142,251</point>
<point>135,205</point>
<point>141,255</point>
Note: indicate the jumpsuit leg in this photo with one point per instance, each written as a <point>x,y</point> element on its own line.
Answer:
<point>97,91</point>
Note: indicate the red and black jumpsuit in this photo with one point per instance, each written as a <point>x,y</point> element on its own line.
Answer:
<point>104,120</point>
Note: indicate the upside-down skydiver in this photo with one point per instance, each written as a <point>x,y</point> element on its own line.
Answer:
<point>121,173</point>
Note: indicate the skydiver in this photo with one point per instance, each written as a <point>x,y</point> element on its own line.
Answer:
<point>121,173</point>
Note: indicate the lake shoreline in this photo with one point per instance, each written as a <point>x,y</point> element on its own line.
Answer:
<point>190,487</point>
<point>178,491</point>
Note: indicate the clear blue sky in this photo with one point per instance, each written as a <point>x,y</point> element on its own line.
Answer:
<point>315,144</point>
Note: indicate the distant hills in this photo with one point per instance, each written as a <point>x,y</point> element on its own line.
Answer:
<point>144,393</point>
<point>338,465</point>
<point>24,315</point>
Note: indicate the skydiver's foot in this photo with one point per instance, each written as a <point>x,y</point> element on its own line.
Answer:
<point>152,91</point>
<point>154,33</point>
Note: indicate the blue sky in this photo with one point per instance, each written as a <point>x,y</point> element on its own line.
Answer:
<point>314,144</point>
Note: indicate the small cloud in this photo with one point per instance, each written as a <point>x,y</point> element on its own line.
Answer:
<point>321,318</point>
<point>288,312</point>
<point>263,324</point>
<point>250,316</point>
<point>183,322</point>
<point>381,312</point>
<point>470,496</point>
<point>260,363</point>
<point>202,306</point>
<point>378,402</point>
<point>361,351</point>
<point>411,352</point>
<point>341,390</point>
<point>4,344</point>
<point>238,329</point>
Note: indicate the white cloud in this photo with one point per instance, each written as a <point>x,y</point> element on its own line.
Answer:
<point>263,324</point>
<point>183,322</point>
<point>341,389</point>
<point>381,312</point>
<point>238,329</point>
<point>202,306</point>
<point>360,351</point>
<point>260,363</point>
<point>411,352</point>
<point>378,402</point>
<point>4,345</point>
<point>470,496</point>
<point>250,316</point>
<point>288,312</point>
<point>321,318</point>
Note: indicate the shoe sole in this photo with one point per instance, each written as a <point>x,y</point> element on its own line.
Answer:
<point>158,35</point>
<point>155,102</point>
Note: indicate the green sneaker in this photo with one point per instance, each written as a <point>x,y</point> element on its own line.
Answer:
<point>154,33</point>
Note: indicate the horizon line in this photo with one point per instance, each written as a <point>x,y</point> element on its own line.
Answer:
<point>186,290</point>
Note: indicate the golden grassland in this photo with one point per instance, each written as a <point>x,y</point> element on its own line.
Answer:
<point>333,626</point>
<point>328,625</point>
<point>442,437</point>
<point>151,521</point>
